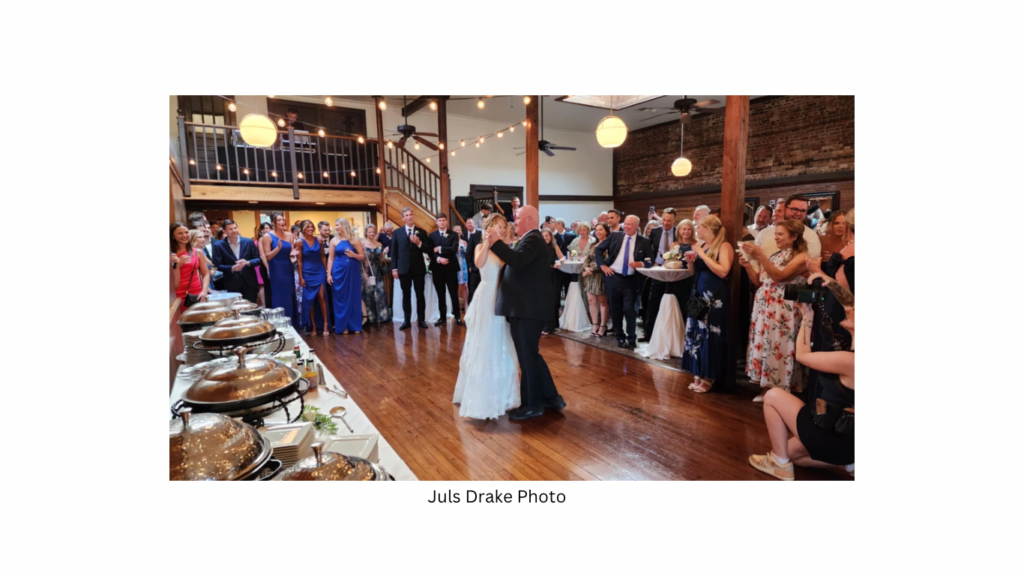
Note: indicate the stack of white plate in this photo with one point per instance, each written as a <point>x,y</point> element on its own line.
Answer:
<point>290,442</point>
<point>193,356</point>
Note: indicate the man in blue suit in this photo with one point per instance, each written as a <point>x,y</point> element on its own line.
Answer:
<point>237,258</point>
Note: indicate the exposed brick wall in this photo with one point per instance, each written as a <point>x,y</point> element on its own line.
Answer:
<point>788,136</point>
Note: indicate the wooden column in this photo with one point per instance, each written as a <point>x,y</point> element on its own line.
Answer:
<point>533,153</point>
<point>734,177</point>
<point>442,136</point>
<point>383,206</point>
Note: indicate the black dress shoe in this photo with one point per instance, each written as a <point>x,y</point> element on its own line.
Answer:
<point>439,323</point>
<point>555,403</point>
<point>644,339</point>
<point>631,345</point>
<point>422,324</point>
<point>405,325</point>
<point>622,342</point>
<point>525,413</point>
<point>458,322</point>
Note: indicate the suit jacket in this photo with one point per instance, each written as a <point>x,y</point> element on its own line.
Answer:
<point>385,240</point>
<point>614,243</point>
<point>525,289</point>
<point>449,249</point>
<point>473,240</point>
<point>406,257</point>
<point>564,240</point>
<point>224,259</point>
<point>656,241</point>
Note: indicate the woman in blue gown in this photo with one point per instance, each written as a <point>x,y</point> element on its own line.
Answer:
<point>277,258</point>
<point>346,279</point>
<point>312,277</point>
<point>707,339</point>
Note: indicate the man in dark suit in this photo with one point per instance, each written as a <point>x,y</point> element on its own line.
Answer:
<point>563,238</point>
<point>661,240</point>
<point>408,245</point>
<point>526,297</point>
<point>444,267</point>
<point>237,258</point>
<point>473,237</point>
<point>626,252</point>
<point>384,237</point>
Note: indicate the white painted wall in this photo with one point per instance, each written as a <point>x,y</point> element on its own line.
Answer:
<point>586,172</point>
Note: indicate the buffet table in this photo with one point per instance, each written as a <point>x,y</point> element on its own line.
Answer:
<point>574,315</point>
<point>398,314</point>
<point>325,400</point>
<point>668,337</point>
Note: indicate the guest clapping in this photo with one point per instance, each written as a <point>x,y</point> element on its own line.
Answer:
<point>707,335</point>
<point>822,432</point>
<point>772,339</point>
<point>191,276</point>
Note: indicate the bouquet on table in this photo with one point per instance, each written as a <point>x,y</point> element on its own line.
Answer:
<point>673,258</point>
<point>574,255</point>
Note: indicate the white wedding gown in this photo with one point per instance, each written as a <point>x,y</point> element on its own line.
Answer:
<point>488,384</point>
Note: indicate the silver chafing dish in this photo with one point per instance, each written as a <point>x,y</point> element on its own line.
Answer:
<point>330,466</point>
<point>237,330</point>
<point>203,314</point>
<point>241,385</point>
<point>215,447</point>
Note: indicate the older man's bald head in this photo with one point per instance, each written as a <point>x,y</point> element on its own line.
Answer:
<point>526,219</point>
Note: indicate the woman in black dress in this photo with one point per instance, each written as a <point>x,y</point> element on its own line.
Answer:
<point>822,431</point>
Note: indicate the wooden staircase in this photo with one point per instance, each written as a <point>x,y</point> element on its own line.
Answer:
<point>412,183</point>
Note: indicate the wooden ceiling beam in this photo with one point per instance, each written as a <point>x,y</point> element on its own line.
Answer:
<point>419,103</point>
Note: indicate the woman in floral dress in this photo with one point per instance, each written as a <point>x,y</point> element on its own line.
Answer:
<point>771,352</point>
<point>375,301</point>
<point>707,339</point>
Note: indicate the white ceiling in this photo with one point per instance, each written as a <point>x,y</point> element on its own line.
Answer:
<point>557,115</point>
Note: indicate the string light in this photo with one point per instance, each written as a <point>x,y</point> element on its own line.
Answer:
<point>378,170</point>
<point>428,160</point>
<point>361,140</point>
<point>480,103</point>
<point>329,101</point>
<point>511,128</point>
<point>191,161</point>
<point>403,165</point>
<point>462,143</point>
<point>526,123</point>
<point>321,132</point>
<point>390,144</point>
<point>500,134</point>
<point>433,105</point>
<point>481,139</point>
<point>218,167</point>
<point>245,171</point>
<point>274,174</point>
<point>477,144</point>
<point>453,152</point>
<point>416,146</point>
<point>232,107</point>
<point>280,122</point>
<point>441,145</point>
<point>526,99</point>
<point>352,173</point>
<point>382,105</point>
<point>300,175</point>
<point>326,175</point>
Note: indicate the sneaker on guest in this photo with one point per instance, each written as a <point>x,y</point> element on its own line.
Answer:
<point>768,465</point>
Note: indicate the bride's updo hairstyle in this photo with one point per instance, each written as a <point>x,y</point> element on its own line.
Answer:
<point>493,219</point>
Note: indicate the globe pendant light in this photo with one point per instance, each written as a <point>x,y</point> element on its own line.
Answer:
<point>682,166</point>
<point>258,130</point>
<point>611,131</point>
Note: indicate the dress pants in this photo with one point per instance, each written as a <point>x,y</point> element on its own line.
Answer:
<point>447,275</point>
<point>535,382</point>
<point>408,282</point>
<point>622,296</point>
<point>474,281</point>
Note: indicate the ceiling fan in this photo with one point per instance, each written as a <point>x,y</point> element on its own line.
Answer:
<point>684,108</point>
<point>545,146</point>
<point>407,131</point>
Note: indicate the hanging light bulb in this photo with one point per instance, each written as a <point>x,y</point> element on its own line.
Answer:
<point>218,167</point>
<point>300,176</point>
<point>433,105</point>
<point>378,170</point>
<point>391,144</point>
<point>245,171</point>
<point>681,166</point>
<point>526,99</point>
<point>462,143</point>
<point>382,104</point>
<point>481,139</point>
<point>501,134</point>
<point>352,173</point>
<point>480,103</point>
<point>191,161</point>
<point>273,174</point>
<point>611,130</point>
<point>326,175</point>
<point>321,132</point>
<point>329,101</point>
<point>441,145</point>
<point>232,107</point>
<point>361,140</point>
<point>403,165</point>
<point>477,144</point>
<point>280,122</point>
<point>526,123</point>
<point>416,146</point>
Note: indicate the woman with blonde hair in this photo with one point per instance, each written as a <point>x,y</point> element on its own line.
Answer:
<point>707,337</point>
<point>346,279</point>
<point>593,282</point>
<point>838,235</point>
<point>686,237</point>
<point>771,350</point>
<point>375,301</point>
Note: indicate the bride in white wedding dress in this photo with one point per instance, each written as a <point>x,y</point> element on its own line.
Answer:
<point>488,384</point>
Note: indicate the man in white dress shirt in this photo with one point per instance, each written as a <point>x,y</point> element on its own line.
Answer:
<point>762,218</point>
<point>795,209</point>
<point>627,251</point>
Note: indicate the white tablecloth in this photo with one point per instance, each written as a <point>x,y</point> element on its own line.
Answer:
<point>669,333</point>
<point>398,314</point>
<point>325,400</point>
<point>574,316</point>
<point>572,267</point>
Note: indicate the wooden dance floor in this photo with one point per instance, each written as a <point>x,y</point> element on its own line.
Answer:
<point>626,419</point>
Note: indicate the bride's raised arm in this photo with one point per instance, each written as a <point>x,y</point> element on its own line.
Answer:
<point>482,249</point>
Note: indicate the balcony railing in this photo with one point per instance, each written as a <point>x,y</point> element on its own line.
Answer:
<point>413,177</point>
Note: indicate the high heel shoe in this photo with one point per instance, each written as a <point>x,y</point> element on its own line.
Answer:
<point>593,333</point>
<point>602,332</point>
